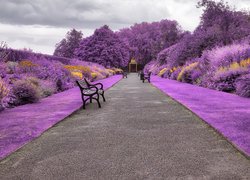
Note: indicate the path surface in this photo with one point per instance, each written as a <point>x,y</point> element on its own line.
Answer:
<point>139,133</point>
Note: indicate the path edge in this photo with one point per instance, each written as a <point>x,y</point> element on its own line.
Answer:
<point>242,152</point>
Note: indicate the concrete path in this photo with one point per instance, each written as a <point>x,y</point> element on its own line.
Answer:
<point>140,133</point>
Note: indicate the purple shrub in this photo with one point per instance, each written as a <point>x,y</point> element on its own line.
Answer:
<point>153,67</point>
<point>47,88</point>
<point>243,86</point>
<point>224,56</point>
<point>4,91</point>
<point>12,67</point>
<point>25,92</point>
<point>225,81</point>
<point>3,70</point>
<point>175,74</point>
<point>188,73</point>
<point>222,65</point>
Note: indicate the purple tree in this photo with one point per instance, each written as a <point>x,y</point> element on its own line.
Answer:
<point>67,46</point>
<point>220,25</point>
<point>104,47</point>
<point>146,40</point>
<point>227,23</point>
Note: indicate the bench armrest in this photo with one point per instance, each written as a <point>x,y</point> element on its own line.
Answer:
<point>98,84</point>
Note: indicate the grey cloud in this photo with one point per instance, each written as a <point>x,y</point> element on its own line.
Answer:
<point>18,18</point>
<point>58,13</point>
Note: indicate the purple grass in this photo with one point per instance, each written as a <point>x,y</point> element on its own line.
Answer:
<point>20,125</point>
<point>227,113</point>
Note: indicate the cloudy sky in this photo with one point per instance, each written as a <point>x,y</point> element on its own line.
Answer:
<point>40,24</point>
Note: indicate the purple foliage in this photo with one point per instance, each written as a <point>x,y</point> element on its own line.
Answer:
<point>227,23</point>
<point>219,26</point>
<point>221,66</point>
<point>25,92</point>
<point>67,46</point>
<point>224,56</point>
<point>104,47</point>
<point>243,86</point>
<point>220,44</point>
<point>146,40</point>
<point>48,74</point>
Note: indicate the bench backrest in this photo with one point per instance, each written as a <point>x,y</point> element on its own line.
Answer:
<point>81,84</point>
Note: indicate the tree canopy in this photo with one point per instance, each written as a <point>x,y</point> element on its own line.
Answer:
<point>67,46</point>
<point>104,47</point>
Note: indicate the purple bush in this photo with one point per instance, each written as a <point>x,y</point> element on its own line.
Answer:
<point>224,56</point>
<point>4,91</point>
<point>25,92</point>
<point>243,86</point>
<point>188,73</point>
<point>47,88</point>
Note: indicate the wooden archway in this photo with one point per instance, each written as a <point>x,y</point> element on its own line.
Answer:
<point>133,66</point>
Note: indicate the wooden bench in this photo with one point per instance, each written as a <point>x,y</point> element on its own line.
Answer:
<point>90,91</point>
<point>145,77</point>
<point>124,74</point>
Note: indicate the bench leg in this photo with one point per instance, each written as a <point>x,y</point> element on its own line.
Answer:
<point>97,99</point>
<point>103,97</point>
<point>83,102</point>
<point>83,106</point>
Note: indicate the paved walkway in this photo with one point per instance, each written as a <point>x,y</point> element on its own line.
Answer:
<point>140,133</point>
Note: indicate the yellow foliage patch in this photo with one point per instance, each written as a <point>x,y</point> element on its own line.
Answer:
<point>94,75</point>
<point>84,69</point>
<point>77,74</point>
<point>111,71</point>
<point>186,68</point>
<point>243,64</point>
<point>162,71</point>
<point>27,63</point>
<point>4,91</point>
<point>118,70</point>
